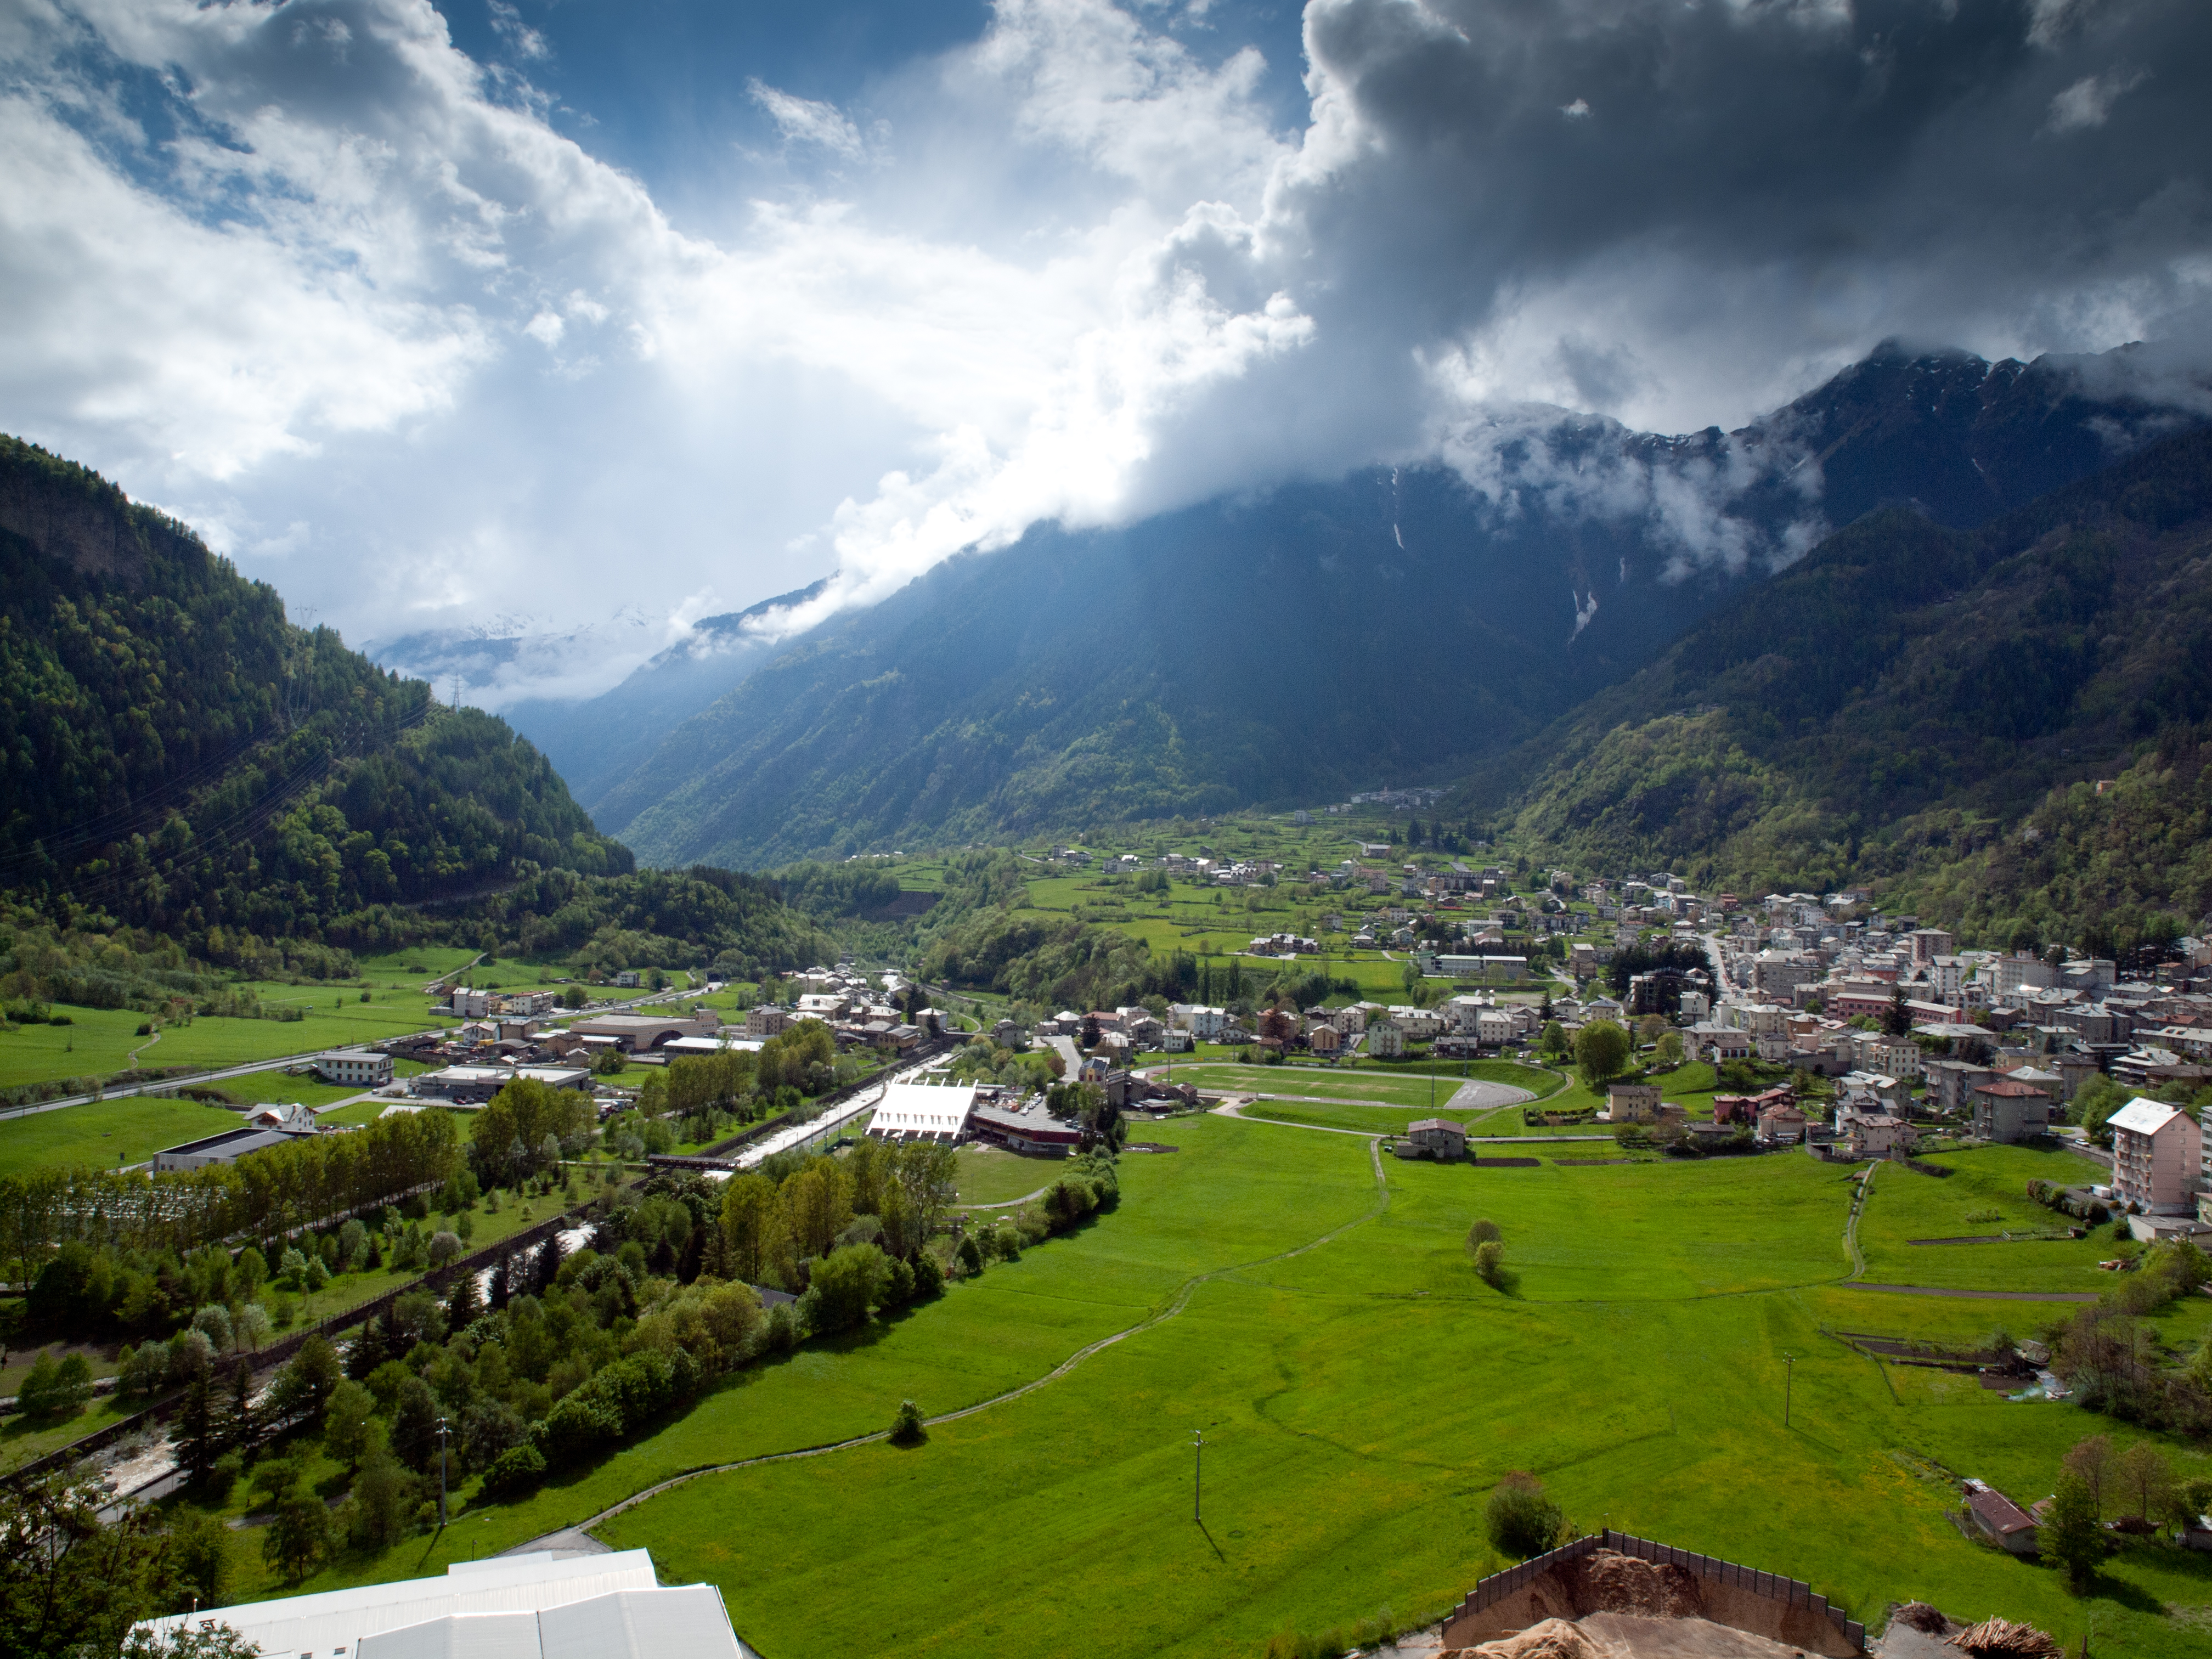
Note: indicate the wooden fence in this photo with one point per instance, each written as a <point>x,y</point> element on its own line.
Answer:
<point>1792,1592</point>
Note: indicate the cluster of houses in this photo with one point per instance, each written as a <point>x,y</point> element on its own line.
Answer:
<point>859,1015</point>
<point>1998,1040</point>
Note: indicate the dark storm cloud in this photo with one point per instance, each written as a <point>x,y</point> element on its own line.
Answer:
<point>1968,157</point>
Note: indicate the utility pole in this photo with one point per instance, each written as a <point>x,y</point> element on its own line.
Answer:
<point>441,1473</point>
<point>1789,1376</point>
<point>1198,1476</point>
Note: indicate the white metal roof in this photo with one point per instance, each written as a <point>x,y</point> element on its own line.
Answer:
<point>922,1109</point>
<point>685,1622</point>
<point>335,1622</point>
<point>2144,1117</point>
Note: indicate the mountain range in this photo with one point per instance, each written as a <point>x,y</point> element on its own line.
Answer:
<point>1397,626</point>
<point>1964,715</point>
<point>181,758</point>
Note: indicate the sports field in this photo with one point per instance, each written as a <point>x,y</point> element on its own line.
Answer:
<point>1360,1392</point>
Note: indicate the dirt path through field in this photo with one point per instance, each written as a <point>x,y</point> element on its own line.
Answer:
<point>1175,1305</point>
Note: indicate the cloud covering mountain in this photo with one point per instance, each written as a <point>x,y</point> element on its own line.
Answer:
<point>376,314</point>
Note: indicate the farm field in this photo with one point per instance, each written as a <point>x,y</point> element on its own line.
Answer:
<point>107,1132</point>
<point>1360,1393</point>
<point>1376,1087</point>
<point>99,1041</point>
<point>414,967</point>
<point>1988,1194</point>
<point>1393,1120</point>
<point>990,1174</point>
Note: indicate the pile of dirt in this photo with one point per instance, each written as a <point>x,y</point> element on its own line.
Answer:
<point>1918,1615</point>
<point>1609,1582</point>
<point>2000,1639</point>
<point>1555,1638</point>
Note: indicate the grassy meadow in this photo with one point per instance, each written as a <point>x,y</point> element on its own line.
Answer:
<point>99,1042</point>
<point>107,1132</point>
<point>1988,1194</point>
<point>992,1175</point>
<point>1360,1392</point>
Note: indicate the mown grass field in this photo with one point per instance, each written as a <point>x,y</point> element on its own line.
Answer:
<point>1393,1120</point>
<point>1987,1194</point>
<point>1360,1393</point>
<point>990,1174</point>
<point>107,1132</point>
<point>99,1042</point>
<point>1344,1083</point>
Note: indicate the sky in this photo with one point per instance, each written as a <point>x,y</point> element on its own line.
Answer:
<point>594,318</point>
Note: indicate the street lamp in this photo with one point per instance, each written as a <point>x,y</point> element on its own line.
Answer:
<point>1198,1476</point>
<point>441,1473</point>
<point>1789,1376</point>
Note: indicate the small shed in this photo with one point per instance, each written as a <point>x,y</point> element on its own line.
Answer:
<point>2000,1520</point>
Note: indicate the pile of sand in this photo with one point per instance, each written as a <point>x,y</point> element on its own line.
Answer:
<point>1609,1582</point>
<point>1555,1638</point>
<point>1628,1635</point>
<point>2000,1639</point>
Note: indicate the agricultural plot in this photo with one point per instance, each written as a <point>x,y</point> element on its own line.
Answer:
<point>95,1041</point>
<point>1987,1194</point>
<point>99,1042</point>
<point>106,1133</point>
<point>416,968</point>
<point>1376,1088</point>
<point>1360,1392</point>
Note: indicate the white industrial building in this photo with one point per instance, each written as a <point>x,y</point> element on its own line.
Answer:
<point>919,1111</point>
<point>524,1607</point>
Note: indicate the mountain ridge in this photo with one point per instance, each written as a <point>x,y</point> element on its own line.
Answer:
<point>1906,702</point>
<point>181,757</point>
<point>1518,598</point>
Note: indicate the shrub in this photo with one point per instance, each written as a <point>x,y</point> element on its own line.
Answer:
<point>907,1428</point>
<point>969,1255</point>
<point>1522,1522</point>
<point>1483,1232</point>
<point>1490,1261</point>
<point>514,1473</point>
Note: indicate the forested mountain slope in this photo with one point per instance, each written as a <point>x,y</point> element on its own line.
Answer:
<point>179,756</point>
<point>1902,703</point>
<point>1393,628</point>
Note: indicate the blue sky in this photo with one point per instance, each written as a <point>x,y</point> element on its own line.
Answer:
<point>586,319</point>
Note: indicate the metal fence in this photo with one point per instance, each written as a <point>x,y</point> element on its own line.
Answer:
<point>1792,1592</point>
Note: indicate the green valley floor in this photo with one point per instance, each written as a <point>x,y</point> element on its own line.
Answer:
<point>1311,1310</point>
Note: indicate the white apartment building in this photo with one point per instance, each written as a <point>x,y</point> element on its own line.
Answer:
<point>2158,1157</point>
